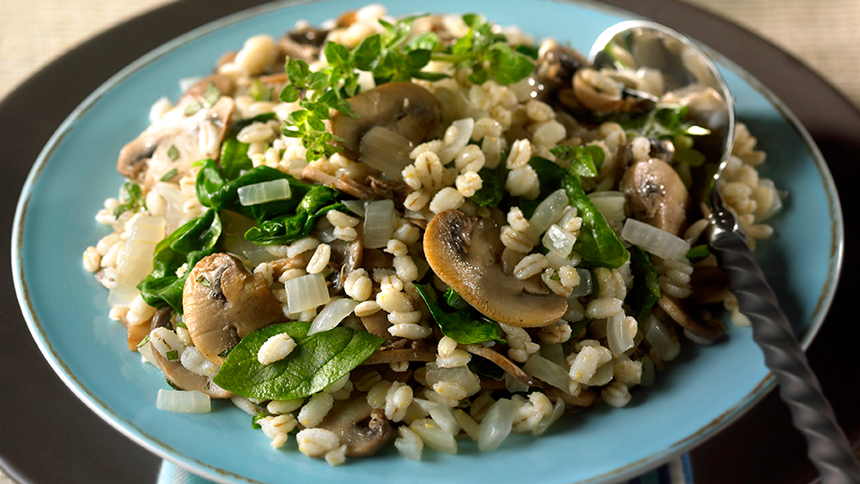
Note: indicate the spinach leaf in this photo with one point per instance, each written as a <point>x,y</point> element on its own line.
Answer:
<point>186,245</point>
<point>290,227</point>
<point>492,187</point>
<point>317,361</point>
<point>131,198</point>
<point>584,160</point>
<point>234,158</point>
<point>597,243</point>
<point>459,324</point>
<point>646,286</point>
<point>698,253</point>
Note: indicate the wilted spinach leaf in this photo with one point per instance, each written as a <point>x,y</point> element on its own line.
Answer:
<point>458,324</point>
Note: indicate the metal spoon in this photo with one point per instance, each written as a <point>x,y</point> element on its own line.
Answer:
<point>685,67</point>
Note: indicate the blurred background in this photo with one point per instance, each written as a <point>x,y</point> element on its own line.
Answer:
<point>824,35</point>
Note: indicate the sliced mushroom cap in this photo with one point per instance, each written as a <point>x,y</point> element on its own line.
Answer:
<point>176,142</point>
<point>223,302</point>
<point>178,374</point>
<point>595,91</point>
<point>346,257</point>
<point>657,195</point>
<point>403,107</point>
<point>363,429</point>
<point>464,254</point>
<point>224,84</point>
<point>689,318</point>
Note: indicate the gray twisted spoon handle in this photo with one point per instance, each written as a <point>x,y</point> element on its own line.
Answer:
<point>828,448</point>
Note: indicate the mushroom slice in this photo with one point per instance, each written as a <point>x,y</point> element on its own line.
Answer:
<point>403,107</point>
<point>687,318</point>
<point>505,364</point>
<point>363,429</point>
<point>463,254</point>
<point>596,91</point>
<point>657,195</point>
<point>346,257</point>
<point>176,142</point>
<point>178,374</point>
<point>223,302</point>
<point>223,83</point>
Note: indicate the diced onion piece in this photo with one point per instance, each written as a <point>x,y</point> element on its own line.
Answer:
<point>554,352</point>
<point>434,436</point>
<point>656,241</point>
<point>332,314</point>
<point>268,191</point>
<point>386,151</point>
<point>610,204</point>
<point>549,211</point>
<point>497,424</point>
<point>775,206</point>
<point>513,385</point>
<point>558,241</point>
<point>545,370</point>
<point>306,292</point>
<point>584,287</point>
<point>461,375</point>
<point>135,259</point>
<point>145,351</point>
<point>647,372</point>
<point>174,214</point>
<point>183,401</point>
<point>557,412</point>
<point>620,333</point>
<point>355,206</point>
<point>441,414</point>
<point>464,127</point>
<point>409,444</point>
<point>379,219</point>
<point>663,343</point>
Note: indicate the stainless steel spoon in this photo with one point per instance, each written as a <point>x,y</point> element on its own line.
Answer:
<point>686,68</point>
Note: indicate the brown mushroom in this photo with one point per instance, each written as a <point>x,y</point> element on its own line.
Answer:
<point>223,302</point>
<point>402,107</point>
<point>177,374</point>
<point>224,84</point>
<point>346,257</point>
<point>656,195</point>
<point>595,91</point>
<point>464,255</point>
<point>173,142</point>
<point>363,429</point>
<point>689,319</point>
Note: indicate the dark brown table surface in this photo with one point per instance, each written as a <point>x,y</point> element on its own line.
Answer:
<point>47,436</point>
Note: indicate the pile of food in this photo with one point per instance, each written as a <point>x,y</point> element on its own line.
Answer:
<point>416,230</point>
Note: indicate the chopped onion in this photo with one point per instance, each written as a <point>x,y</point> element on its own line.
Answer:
<point>355,206</point>
<point>513,385</point>
<point>441,414</point>
<point>603,375</point>
<point>549,211</point>
<point>332,314</point>
<point>409,444</point>
<point>135,259</point>
<point>654,240</point>
<point>183,401</point>
<point>434,436</point>
<point>775,206</point>
<point>557,412</point>
<point>497,424</point>
<point>584,288</point>
<point>554,352</point>
<point>558,241</point>
<point>545,370</point>
<point>386,151</point>
<point>664,345</point>
<point>610,204</point>
<point>145,351</point>
<point>461,375</point>
<point>467,423</point>
<point>269,191</point>
<point>379,220</point>
<point>620,333</point>
<point>174,214</point>
<point>464,127</point>
<point>306,292</point>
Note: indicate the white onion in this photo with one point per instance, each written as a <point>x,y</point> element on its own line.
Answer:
<point>775,206</point>
<point>306,292</point>
<point>656,241</point>
<point>467,423</point>
<point>610,204</point>
<point>379,220</point>
<point>175,199</point>
<point>554,352</point>
<point>603,375</point>
<point>145,351</point>
<point>355,206</point>
<point>135,259</point>
<point>585,286</point>
<point>545,370</point>
<point>433,435</point>
<point>663,343</point>
<point>183,401</point>
<point>409,445</point>
<point>513,385</point>
<point>557,412</point>
<point>647,372</point>
<point>497,424</point>
<point>460,375</point>
<point>549,211</point>
<point>386,151</point>
<point>441,414</point>
<point>619,334</point>
<point>558,241</point>
<point>332,314</point>
<point>263,192</point>
<point>464,127</point>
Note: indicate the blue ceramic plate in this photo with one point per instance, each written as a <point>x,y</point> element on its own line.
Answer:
<point>703,390</point>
